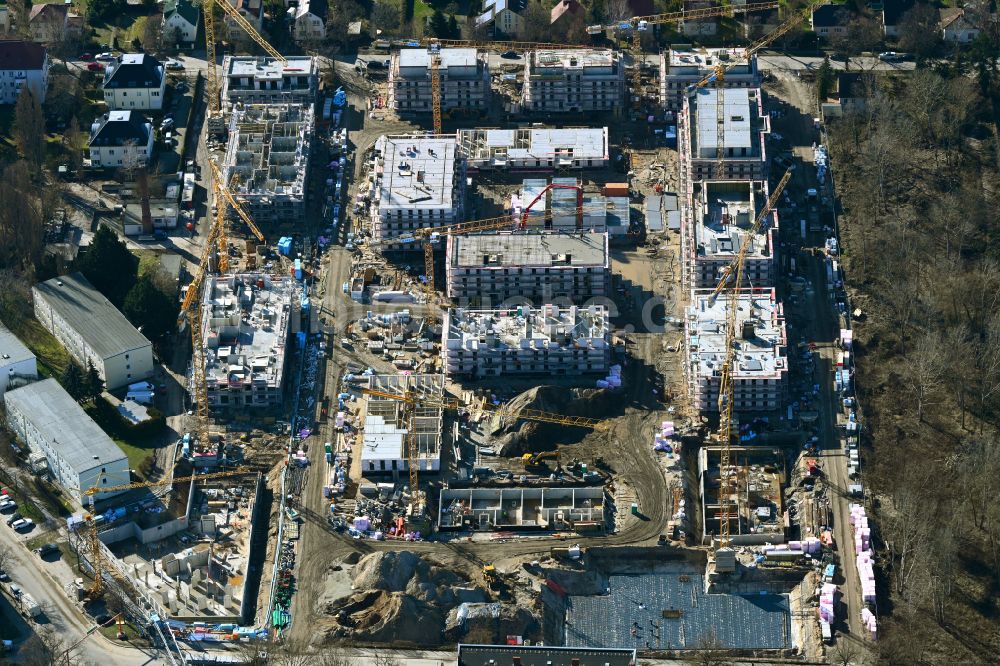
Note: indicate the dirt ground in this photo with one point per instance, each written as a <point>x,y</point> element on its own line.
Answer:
<point>626,446</point>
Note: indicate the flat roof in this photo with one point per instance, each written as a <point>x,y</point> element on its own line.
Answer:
<point>458,57</point>
<point>701,59</point>
<point>93,317</point>
<point>579,143</point>
<point>548,250</point>
<point>262,67</point>
<point>419,172</point>
<point>736,125</point>
<point>81,443</point>
<point>761,355</point>
<point>574,58</point>
<point>12,349</point>
<point>381,440</point>
<point>503,655</point>
<point>727,210</point>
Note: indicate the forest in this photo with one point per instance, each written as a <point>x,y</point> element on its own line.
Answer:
<point>917,170</point>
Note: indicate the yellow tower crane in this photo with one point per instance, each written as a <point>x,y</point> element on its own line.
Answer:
<point>216,122</point>
<point>730,281</point>
<point>639,24</point>
<point>718,76</point>
<point>224,198</point>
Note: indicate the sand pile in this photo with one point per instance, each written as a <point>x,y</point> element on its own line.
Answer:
<point>531,436</point>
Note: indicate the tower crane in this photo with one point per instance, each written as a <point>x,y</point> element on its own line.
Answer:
<point>732,277</point>
<point>718,75</point>
<point>639,24</point>
<point>212,78</point>
<point>222,191</point>
<point>413,401</point>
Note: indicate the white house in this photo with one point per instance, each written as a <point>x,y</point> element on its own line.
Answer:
<point>22,64</point>
<point>504,16</point>
<point>118,136</point>
<point>180,21</point>
<point>80,455</point>
<point>93,330</point>
<point>958,26</point>
<point>252,11</point>
<point>135,81</point>
<point>16,361</point>
<point>309,20</point>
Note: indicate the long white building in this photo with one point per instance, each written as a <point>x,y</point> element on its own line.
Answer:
<point>573,81</point>
<point>80,455</point>
<point>17,362</point>
<point>549,340</point>
<point>93,330</point>
<point>683,65</point>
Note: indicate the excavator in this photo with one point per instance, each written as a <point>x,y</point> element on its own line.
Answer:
<point>536,461</point>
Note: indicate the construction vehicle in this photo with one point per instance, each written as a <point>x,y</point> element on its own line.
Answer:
<point>492,578</point>
<point>730,282</point>
<point>216,123</point>
<point>536,461</point>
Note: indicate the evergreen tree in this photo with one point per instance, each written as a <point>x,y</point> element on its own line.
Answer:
<point>73,381</point>
<point>109,265</point>
<point>454,32</point>
<point>825,78</point>
<point>147,307</point>
<point>438,24</point>
<point>92,382</point>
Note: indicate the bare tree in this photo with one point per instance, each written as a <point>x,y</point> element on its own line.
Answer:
<point>926,366</point>
<point>131,160</point>
<point>44,648</point>
<point>384,659</point>
<point>845,653</point>
<point>29,129</point>
<point>710,651</point>
<point>333,655</point>
<point>905,525</point>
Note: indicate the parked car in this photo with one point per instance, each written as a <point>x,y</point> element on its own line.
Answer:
<point>86,56</point>
<point>47,549</point>
<point>889,56</point>
<point>107,56</point>
<point>509,54</point>
<point>166,124</point>
<point>95,67</point>
<point>8,505</point>
<point>4,577</point>
<point>13,519</point>
<point>22,524</point>
<point>174,64</point>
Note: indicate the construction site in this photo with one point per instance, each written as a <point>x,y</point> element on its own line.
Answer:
<point>509,385</point>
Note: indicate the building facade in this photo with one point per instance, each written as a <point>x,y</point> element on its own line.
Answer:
<point>546,340</point>
<point>135,81</point>
<point>534,269</point>
<point>573,81</point>
<point>80,455</point>
<point>464,76</point>
<point>724,211</point>
<point>246,322</point>
<point>23,65</point>
<point>684,65</point>
<point>93,330</point>
<point>309,21</point>
<point>180,21</point>
<point>264,80</point>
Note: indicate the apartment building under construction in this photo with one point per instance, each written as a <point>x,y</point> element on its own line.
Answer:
<point>464,75</point>
<point>389,425</point>
<point>267,159</point>
<point>534,148</point>
<point>744,126</point>
<point>546,340</point>
<point>573,81</point>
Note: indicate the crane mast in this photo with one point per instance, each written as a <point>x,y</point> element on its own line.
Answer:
<point>730,281</point>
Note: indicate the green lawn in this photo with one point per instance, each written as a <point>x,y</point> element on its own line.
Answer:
<point>137,453</point>
<point>52,356</point>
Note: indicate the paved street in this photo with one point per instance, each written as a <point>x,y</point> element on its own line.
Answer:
<point>60,613</point>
